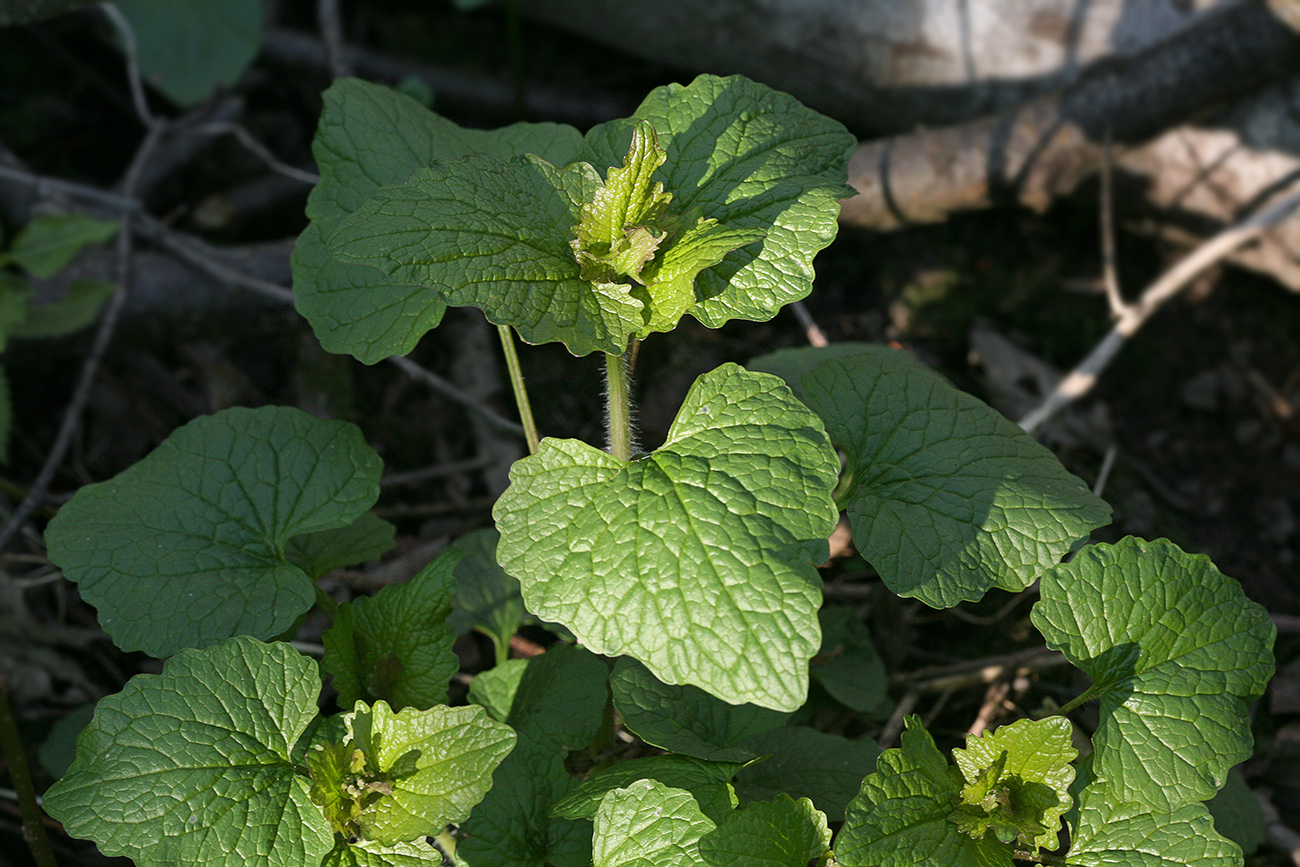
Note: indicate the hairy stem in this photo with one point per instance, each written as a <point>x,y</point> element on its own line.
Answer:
<point>622,438</point>
<point>517,385</point>
<point>16,758</point>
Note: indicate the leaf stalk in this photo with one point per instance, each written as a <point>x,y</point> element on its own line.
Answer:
<point>517,386</point>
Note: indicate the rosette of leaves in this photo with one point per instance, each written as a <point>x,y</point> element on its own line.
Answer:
<point>711,199</point>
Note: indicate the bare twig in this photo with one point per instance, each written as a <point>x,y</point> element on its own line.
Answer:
<point>1081,380</point>
<point>44,185</point>
<point>198,254</point>
<point>107,325</point>
<point>258,150</point>
<point>1108,273</point>
<point>816,337</point>
<point>331,33</point>
<point>132,65</point>
<point>454,394</point>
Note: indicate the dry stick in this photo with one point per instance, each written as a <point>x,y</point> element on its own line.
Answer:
<point>107,325</point>
<point>1118,307</point>
<point>452,393</point>
<point>816,337</point>
<point>1084,376</point>
<point>331,33</point>
<point>129,47</point>
<point>257,149</point>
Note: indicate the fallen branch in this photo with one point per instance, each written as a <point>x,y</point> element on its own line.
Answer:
<point>1044,148</point>
<point>1081,380</point>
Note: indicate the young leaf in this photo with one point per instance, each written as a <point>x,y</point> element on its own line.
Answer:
<point>903,815</point>
<point>367,538</point>
<point>708,782</point>
<point>48,243</point>
<point>487,599</point>
<point>779,833</point>
<point>370,136</point>
<point>494,690</point>
<point>435,766</point>
<point>948,498</point>
<point>483,232</point>
<point>698,559</point>
<point>848,666</point>
<point>186,48</point>
<point>192,766</point>
<point>1176,653</point>
<point>70,313</point>
<point>1110,832</point>
<point>396,645</point>
<point>750,158</point>
<point>804,762</point>
<point>187,547</point>
<point>649,824</point>
<point>1024,800</point>
<point>686,719</point>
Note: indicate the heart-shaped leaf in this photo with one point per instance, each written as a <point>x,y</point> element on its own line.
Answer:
<point>948,498</point>
<point>370,136</point>
<point>193,766</point>
<point>1176,653</point>
<point>189,546</point>
<point>698,559</point>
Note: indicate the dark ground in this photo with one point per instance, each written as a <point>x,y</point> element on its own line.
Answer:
<point>1202,409</point>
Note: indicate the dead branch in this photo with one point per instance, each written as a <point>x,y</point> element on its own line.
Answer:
<point>1042,149</point>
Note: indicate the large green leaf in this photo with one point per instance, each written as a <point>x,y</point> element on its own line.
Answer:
<point>649,824</point>
<point>1017,782</point>
<point>436,765</point>
<point>948,498</point>
<point>188,547</point>
<point>1109,832</point>
<point>558,705</point>
<point>748,157</point>
<point>494,234</point>
<point>686,719</point>
<point>192,766</point>
<point>903,815</point>
<point>186,48</point>
<point>396,645</point>
<point>803,762</point>
<point>370,136</point>
<point>1176,653</point>
<point>782,832</point>
<point>698,559</point>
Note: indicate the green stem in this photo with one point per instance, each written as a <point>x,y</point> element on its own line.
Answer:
<point>517,384</point>
<point>33,826</point>
<point>618,396</point>
<point>1086,696</point>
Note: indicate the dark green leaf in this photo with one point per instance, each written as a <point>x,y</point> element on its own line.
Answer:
<point>187,547</point>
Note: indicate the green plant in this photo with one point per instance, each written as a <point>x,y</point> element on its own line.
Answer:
<point>693,564</point>
<point>42,249</point>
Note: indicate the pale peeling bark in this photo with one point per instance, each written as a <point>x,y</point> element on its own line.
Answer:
<point>883,66</point>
